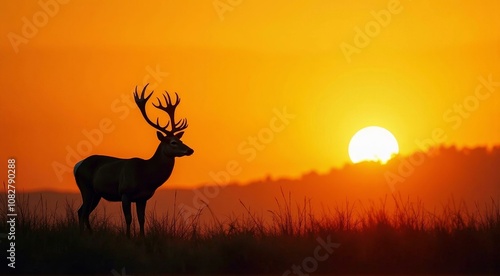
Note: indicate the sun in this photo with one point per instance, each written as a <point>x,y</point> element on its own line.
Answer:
<point>373,143</point>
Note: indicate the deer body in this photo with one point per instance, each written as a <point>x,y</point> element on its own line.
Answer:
<point>131,180</point>
<point>112,177</point>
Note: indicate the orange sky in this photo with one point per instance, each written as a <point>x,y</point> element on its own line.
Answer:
<point>68,67</point>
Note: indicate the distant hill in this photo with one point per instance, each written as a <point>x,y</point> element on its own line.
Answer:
<point>434,178</point>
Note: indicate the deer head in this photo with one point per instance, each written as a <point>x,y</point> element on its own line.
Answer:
<point>170,140</point>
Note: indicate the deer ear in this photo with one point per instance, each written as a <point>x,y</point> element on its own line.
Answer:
<point>179,135</point>
<point>160,135</point>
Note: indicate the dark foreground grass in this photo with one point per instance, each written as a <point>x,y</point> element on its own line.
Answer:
<point>406,239</point>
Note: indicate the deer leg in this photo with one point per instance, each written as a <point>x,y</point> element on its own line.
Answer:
<point>141,211</point>
<point>80,217</point>
<point>93,203</point>
<point>127,212</point>
<point>82,212</point>
<point>86,195</point>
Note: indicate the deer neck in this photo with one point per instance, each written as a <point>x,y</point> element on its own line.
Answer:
<point>159,167</point>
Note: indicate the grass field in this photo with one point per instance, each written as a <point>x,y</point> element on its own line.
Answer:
<point>368,238</point>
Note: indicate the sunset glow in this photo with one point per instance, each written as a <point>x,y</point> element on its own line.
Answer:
<point>426,70</point>
<point>250,137</point>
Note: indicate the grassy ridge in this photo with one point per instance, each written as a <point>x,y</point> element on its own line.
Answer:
<point>374,239</point>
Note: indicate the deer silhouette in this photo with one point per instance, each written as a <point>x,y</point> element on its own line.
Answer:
<point>135,179</point>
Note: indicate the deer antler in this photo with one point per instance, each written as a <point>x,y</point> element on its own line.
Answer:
<point>169,109</point>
